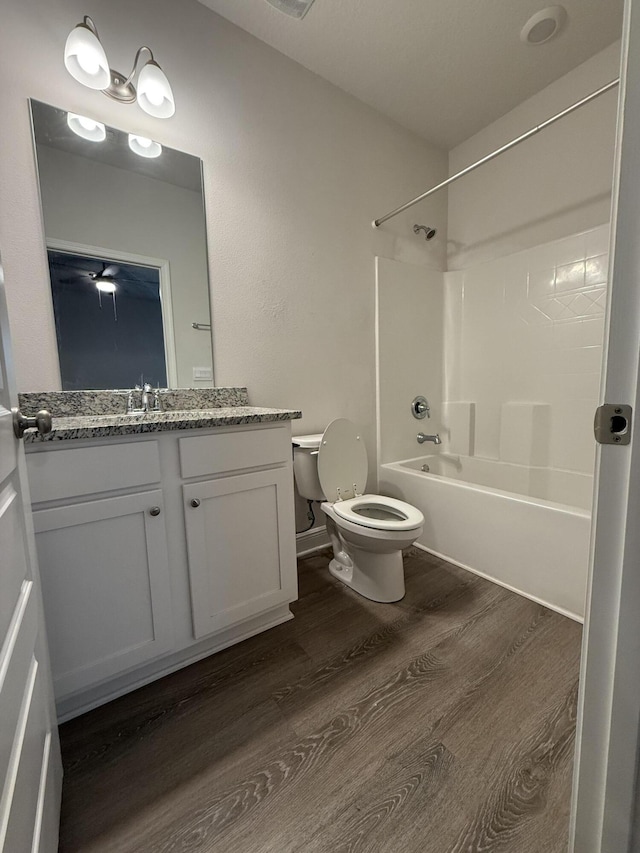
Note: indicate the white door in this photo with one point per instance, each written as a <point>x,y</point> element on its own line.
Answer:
<point>605,795</point>
<point>30,766</point>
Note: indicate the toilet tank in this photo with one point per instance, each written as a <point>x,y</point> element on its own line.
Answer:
<point>305,466</point>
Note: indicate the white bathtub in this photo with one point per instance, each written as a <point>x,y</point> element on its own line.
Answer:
<point>500,527</point>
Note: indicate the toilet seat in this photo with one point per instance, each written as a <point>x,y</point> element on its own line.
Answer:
<point>379,513</point>
<point>342,470</point>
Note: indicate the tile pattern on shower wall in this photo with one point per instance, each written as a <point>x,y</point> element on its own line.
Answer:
<point>529,328</point>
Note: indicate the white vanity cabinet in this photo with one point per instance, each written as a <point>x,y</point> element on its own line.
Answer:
<point>156,550</point>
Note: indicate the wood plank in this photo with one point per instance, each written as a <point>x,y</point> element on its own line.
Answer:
<point>519,790</point>
<point>285,792</point>
<point>440,724</point>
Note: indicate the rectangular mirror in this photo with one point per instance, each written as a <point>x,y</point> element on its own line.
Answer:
<point>126,242</point>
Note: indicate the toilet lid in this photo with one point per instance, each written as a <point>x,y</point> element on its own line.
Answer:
<point>342,461</point>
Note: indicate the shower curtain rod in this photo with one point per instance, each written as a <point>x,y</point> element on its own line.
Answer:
<point>377,222</point>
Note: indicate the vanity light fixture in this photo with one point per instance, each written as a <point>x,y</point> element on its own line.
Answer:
<point>144,147</point>
<point>87,128</point>
<point>84,56</point>
<point>86,61</point>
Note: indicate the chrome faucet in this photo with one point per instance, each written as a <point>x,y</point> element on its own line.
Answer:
<point>146,390</point>
<point>149,400</point>
<point>434,438</point>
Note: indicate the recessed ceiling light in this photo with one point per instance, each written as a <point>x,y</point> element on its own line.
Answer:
<point>544,25</point>
<point>293,8</point>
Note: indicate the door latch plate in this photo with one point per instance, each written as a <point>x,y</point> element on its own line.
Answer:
<point>612,423</point>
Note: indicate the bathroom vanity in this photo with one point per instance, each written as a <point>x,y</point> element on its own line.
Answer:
<point>161,537</point>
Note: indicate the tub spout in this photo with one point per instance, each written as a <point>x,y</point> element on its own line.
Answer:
<point>434,438</point>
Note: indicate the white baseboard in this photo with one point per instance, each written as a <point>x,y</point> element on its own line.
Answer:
<point>311,541</point>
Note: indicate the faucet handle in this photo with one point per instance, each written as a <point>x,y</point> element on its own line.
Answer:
<point>420,407</point>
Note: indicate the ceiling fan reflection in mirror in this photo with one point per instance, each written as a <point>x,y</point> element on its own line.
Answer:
<point>104,281</point>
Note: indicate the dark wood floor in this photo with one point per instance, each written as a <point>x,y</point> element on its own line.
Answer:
<point>441,724</point>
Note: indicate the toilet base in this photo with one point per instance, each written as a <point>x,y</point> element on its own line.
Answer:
<point>368,560</point>
<point>378,577</point>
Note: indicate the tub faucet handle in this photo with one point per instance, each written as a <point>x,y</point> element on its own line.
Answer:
<point>420,407</point>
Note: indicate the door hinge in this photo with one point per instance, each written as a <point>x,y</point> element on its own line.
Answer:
<point>612,423</point>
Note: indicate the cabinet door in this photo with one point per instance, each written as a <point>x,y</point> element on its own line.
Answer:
<point>106,590</point>
<point>241,545</point>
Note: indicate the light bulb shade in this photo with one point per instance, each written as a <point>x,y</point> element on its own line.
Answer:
<point>85,59</point>
<point>154,91</point>
<point>87,128</point>
<point>143,146</point>
<point>106,285</point>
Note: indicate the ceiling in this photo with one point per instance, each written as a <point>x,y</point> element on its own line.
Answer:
<point>442,68</point>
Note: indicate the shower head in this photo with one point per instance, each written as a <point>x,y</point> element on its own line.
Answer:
<point>429,232</point>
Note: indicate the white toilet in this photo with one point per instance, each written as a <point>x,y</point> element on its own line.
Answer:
<point>368,532</point>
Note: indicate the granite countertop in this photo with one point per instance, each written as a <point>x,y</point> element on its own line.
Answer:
<point>202,410</point>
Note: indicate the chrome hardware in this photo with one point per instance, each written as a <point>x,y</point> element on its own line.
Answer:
<point>41,422</point>
<point>154,511</point>
<point>195,502</point>
<point>131,409</point>
<point>421,437</point>
<point>612,424</point>
<point>425,468</point>
<point>149,400</point>
<point>487,157</point>
<point>420,408</point>
<point>429,231</point>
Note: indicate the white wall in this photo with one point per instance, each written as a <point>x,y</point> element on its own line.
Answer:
<point>88,202</point>
<point>295,170</point>
<point>556,184</point>
<point>409,355</point>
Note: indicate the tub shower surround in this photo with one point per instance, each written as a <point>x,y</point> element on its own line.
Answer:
<point>508,494</point>
<point>537,548</point>
<point>99,414</point>
<point>523,342</point>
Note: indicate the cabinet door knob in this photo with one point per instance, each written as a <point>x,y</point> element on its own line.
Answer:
<point>155,510</point>
<point>195,502</point>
